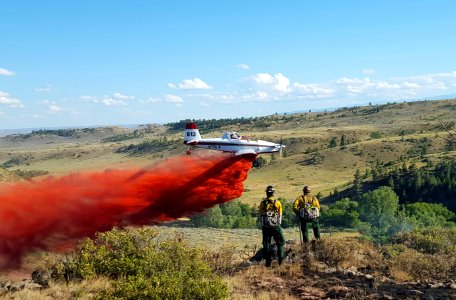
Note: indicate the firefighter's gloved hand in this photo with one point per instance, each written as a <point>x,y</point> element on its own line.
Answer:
<point>280,219</point>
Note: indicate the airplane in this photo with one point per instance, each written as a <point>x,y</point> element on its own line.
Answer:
<point>231,142</point>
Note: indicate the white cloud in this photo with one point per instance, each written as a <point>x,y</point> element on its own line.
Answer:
<point>55,109</point>
<point>283,83</point>
<point>121,97</point>
<point>268,82</point>
<point>166,99</point>
<point>261,95</point>
<point>5,72</point>
<point>110,101</point>
<point>52,106</point>
<point>152,100</point>
<point>173,99</point>
<point>45,89</point>
<point>93,99</point>
<point>267,87</point>
<point>313,90</point>
<point>6,99</point>
<point>368,71</point>
<point>263,78</point>
<point>243,67</point>
<point>411,85</point>
<point>191,84</point>
<point>117,99</point>
<point>355,86</point>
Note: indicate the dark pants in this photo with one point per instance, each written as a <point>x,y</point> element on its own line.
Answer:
<point>305,226</point>
<point>277,234</point>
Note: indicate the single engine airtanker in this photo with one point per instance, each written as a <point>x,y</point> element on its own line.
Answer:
<point>231,142</point>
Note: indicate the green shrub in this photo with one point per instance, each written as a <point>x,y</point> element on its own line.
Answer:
<point>376,135</point>
<point>142,267</point>
<point>289,218</point>
<point>342,213</point>
<point>423,254</point>
<point>233,214</point>
<point>422,266</point>
<point>429,240</point>
<point>430,214</point>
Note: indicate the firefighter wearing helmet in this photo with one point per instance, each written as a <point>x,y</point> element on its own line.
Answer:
<point>307,208</point>
<point>270,211</point>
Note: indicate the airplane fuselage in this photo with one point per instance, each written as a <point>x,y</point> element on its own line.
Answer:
<point>230,142</point>
<point>234,146</point>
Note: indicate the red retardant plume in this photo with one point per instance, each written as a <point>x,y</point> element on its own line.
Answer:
<point>54,212</point>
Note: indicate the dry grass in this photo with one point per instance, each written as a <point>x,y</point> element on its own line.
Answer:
<point>413,265</point>
<point>73,290</point>
<point>258,282</point>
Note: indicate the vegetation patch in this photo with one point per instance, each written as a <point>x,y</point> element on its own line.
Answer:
<point>28,174</point>
<point>146,147</point>
<point>141,267</point>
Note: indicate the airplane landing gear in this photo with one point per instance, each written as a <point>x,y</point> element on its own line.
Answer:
<point>256,163</point>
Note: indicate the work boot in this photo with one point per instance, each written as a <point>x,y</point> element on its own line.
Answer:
<point>314,245</point>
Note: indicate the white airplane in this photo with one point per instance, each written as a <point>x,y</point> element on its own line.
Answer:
<point>230,142</point>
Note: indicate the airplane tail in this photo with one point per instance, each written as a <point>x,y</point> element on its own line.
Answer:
<point>191,133</point>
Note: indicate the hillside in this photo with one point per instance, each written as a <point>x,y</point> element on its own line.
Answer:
<point>324,150</point>
<point>387,134</point>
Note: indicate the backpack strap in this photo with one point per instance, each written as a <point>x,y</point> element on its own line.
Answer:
<point>312,199</point>
<point>265,202</point>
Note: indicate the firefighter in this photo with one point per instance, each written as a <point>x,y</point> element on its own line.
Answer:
<point>307,209</point>
<point>270,211</point>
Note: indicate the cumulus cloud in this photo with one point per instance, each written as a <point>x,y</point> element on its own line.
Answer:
<point>111,101</point>
<point>243,67</point>
<point>267,82</point>
<point>5,72</point>
<point>117,99</point>
<point>313,90</point>
<point>411,85</point>
<point>55,109</point>
<point>44,89</point>
<point>52,106</point>
<point>267,87</point>
<point>173,99</point>
<point>119,96</point>
<point>152,100</point>
<point>6,99</point>
<point>89,98</point>
<point>191,84</point>
<point>368,71</point>
<point>355,86</point>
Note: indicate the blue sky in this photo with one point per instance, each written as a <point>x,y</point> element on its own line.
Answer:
<point>84,63</point>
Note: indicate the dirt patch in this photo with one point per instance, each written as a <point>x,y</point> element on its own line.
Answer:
<point>345,285</point>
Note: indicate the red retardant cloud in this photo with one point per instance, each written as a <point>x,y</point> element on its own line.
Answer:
<point>54,211</point>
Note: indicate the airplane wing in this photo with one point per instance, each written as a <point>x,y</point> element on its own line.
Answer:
<point>244,151</point>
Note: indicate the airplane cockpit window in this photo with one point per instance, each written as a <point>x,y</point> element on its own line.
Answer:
<point>235,136</point>
<point>230,135</point>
